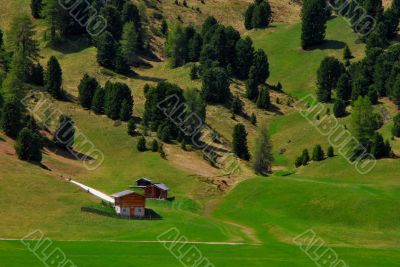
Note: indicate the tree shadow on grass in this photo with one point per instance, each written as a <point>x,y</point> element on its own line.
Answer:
<point>66,153</point>
<point>328,44</point>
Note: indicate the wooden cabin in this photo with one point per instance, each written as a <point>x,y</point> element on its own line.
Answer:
<point>157,190</point>
<point>152,190</point>
<point>129,204</point>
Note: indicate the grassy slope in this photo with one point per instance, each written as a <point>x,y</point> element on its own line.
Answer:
<point>296,68</point>
<point>353,211</point>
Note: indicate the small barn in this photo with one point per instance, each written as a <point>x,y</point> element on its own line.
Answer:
<point>156,190</point>
<point>129,204</point>
<point>152,190</point>
<point>143,182</point>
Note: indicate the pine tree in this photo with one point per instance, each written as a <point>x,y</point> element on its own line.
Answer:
<point>22,37</point>
<point>53,78</point>
<point>298,162</point>
<point>261,15</point>
<point>395,93</point>
<point>262,159</point>
<point>215,86</point>
<point>125,113</point>
<point>347,53</point>
<point>305,157</point>
<point>131,127</point>
<point>263,100</point>
<point>98,101</point>
<point>176,46</point>
<point>37,75</point>
<point>396,126</point>
<point>65,134</point>
<point>248,17</point>
<point>194,72</point>
<point>252,85</point>
<point>106,50</point>
<point>36,8</point>
<point>141,144</point>
<point>327,77</point>
<point>378,149</point>
<point>195,46</point>
<point>129,43</point>
<point>318,153</point>
<point>154,146</point>
<point>87,88</point>
<point>339,108</point>
<point>29,146</point>
<point>343,87</point>
<point>11,117</point>
<point>313,23</point>
<point>331,152</point>
<point>244,54</point>
<point>261,65</point>
<point>364,122</point>
<point>239,142</point>
<point>114,21</point>
<point>237,105</point>
<point>120,65</point>
<point>391,21</point>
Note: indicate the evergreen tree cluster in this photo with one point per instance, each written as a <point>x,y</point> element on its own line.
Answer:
<point>258,15</point>
<point>369,19</point>
<point>118,101</point>
<point>318,154</point>
<point>364,126</point>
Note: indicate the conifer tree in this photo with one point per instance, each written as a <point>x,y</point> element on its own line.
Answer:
<point>313,23</point>
<point>252,85</point>
<point>305,157</point>
<point>29,146</point>
<point>396,126</point>
<point>339,108</point>
<point>263,100</point>
<point>262,155</point>
<point>237,105</point>
<point>154,146</point>
<point>343,87</point>
<point>347,53</point>
<point>125,112</point>
<point>106,50</point>
<point>327,77</point>
<point>87,88</point>
<point>244,54</point>
<point>215,86</point>
<point>248,17</point>
<point>98,101</point>
<point>141,144</point>
<point>378,148</point>
<point>36,8</point>
<point>37,74</point>
<point>11,117</point>
<point>239,142</point>
<point>318,153</point>
<point>131,127</point>
<point>53,78</point>
<point>330,152</point>
<point>176,46</point>
<point>261,65</point>
<point>129,43</point>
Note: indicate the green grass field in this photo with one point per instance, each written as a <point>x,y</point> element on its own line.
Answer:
<point>356,215</point>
